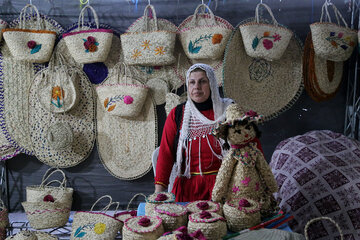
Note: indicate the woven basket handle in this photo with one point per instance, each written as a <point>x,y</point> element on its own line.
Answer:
<point>133,198</point>
<point>123,73</point>
<point>81,17</point>
<point>194,21</point>
<point>146,17</point>
<point>22,18</point>
<point>48,174</point>
<point>269,11</point>
<point>319,219</point>
<point>107,206</point>
<point>337,13</point>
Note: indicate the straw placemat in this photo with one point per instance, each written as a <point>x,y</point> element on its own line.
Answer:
<point>322,78</point>
<point>269,88</point>
<point>81,119</point>
<point>15,80</point>
<point>165,73</point>
<point>125,145</point>
<point>217,65</point>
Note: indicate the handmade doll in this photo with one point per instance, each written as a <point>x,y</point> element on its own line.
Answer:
<point>244,172</point>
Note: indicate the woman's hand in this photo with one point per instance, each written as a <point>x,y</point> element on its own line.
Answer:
<point>159,188</point>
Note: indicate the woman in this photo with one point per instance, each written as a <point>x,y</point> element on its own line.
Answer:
<point>195,151</point>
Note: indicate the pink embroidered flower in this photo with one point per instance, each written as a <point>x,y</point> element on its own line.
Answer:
<point>202,205</point>
<point>87,44</point>
<point>205,214</point>
<point>340,34</point>
<point>144,222</point>
<point>91,39</point>
<point>31,44</point>
<point>198,235</point>
<point>49,198</point>
<point>244,203</point>
<point>257,187</point>
<point>267,44</point>
<point>276,37</point>
<point>251,113</point>
<point>246,181</point>
<point>133,213</point>
<point>235,189</point>
<point>161,197</point>
<point>128,100</point>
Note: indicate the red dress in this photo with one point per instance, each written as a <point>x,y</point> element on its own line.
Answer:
<point>197,187</point>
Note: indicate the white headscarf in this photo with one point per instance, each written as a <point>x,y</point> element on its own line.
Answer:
<point>219,107</point>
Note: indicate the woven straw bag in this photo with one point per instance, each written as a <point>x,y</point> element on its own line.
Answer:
<point>91,45</point>
<point>212,225</point>
<point>151,48</point>
<point>3,25</point>
<point>319,219</point>
<point>204,205</point>
<point>155,199</point>
<point>268,41</point>
<point>206,40</point>
<point>31,45</point>
<point>32,235</point>
<point>142,228</point>
<point>239,217</point>
<point>172,100</point>
<point>122,99</point>
<point>96,225</point>
<point>172,214</point>
<point>61,194</point>
<point>57,91</point>
<point>332,41</point>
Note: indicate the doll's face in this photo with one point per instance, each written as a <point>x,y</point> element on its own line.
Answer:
<point>240,134</point>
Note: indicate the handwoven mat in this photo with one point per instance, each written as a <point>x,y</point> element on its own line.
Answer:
<point>322,78</point>
<point>217,65</point>
<point>165,73</point>
<point>15,80</point>
<point>269,88</point>
<point>81,119</point>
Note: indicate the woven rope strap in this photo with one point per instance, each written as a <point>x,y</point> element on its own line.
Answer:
<point>319,219</point>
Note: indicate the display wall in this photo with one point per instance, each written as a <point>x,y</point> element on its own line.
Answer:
<point>90,179</point>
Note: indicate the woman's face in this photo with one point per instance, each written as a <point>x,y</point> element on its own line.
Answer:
<point>199,87</point>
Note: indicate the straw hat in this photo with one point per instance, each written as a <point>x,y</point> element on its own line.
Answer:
<point>322,78</point>
<point>66,139</point>
<point>263,86</point>
<point>16,77</point>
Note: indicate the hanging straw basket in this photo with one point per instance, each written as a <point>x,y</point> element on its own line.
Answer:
<point>61,194</point>
<point>155,199</point>
<point>96,225</point>
<point>150,48</point>
<point>172,214</point>
<point>332,41</point>
<point>204,205</point>
<point>122,99</point>
<point>142,227</point>
<point>31,45</point>
<point>212,225</point>
<point>267,41</point>
<point>240,217</point>
<point>206,40</point>
<point>89,46</point>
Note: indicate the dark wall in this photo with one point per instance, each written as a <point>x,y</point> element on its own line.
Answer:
<point>90,179</point>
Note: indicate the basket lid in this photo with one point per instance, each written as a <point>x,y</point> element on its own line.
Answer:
<point>143,224</point>
<point>161,197</point>
<point>171,209</point>
<point>203,205</point>
<point>205,217</point>
<point>245,205</point>
<point>122,216</point>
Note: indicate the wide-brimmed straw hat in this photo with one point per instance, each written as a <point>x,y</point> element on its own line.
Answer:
<point>268,88</point>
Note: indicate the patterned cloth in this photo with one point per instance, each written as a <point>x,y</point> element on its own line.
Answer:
<point>318,174</point>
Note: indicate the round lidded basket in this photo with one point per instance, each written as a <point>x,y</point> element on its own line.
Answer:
<point>241,213</point>
<point>212,225</point>
<point>142,228</point>
<point>204,205</point>
<point>156,199</point>
<point>173,215</point>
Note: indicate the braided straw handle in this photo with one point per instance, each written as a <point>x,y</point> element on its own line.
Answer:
<point>23,13</point>
<point>133,198</point>
<point>47,175</point>
<point>107,206</point>
<point>194,21</point>
<point>81,17</point>
<point>146,18</point>
<point>269,11</point>
<point>336,12</point>
<point>319,219</point>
